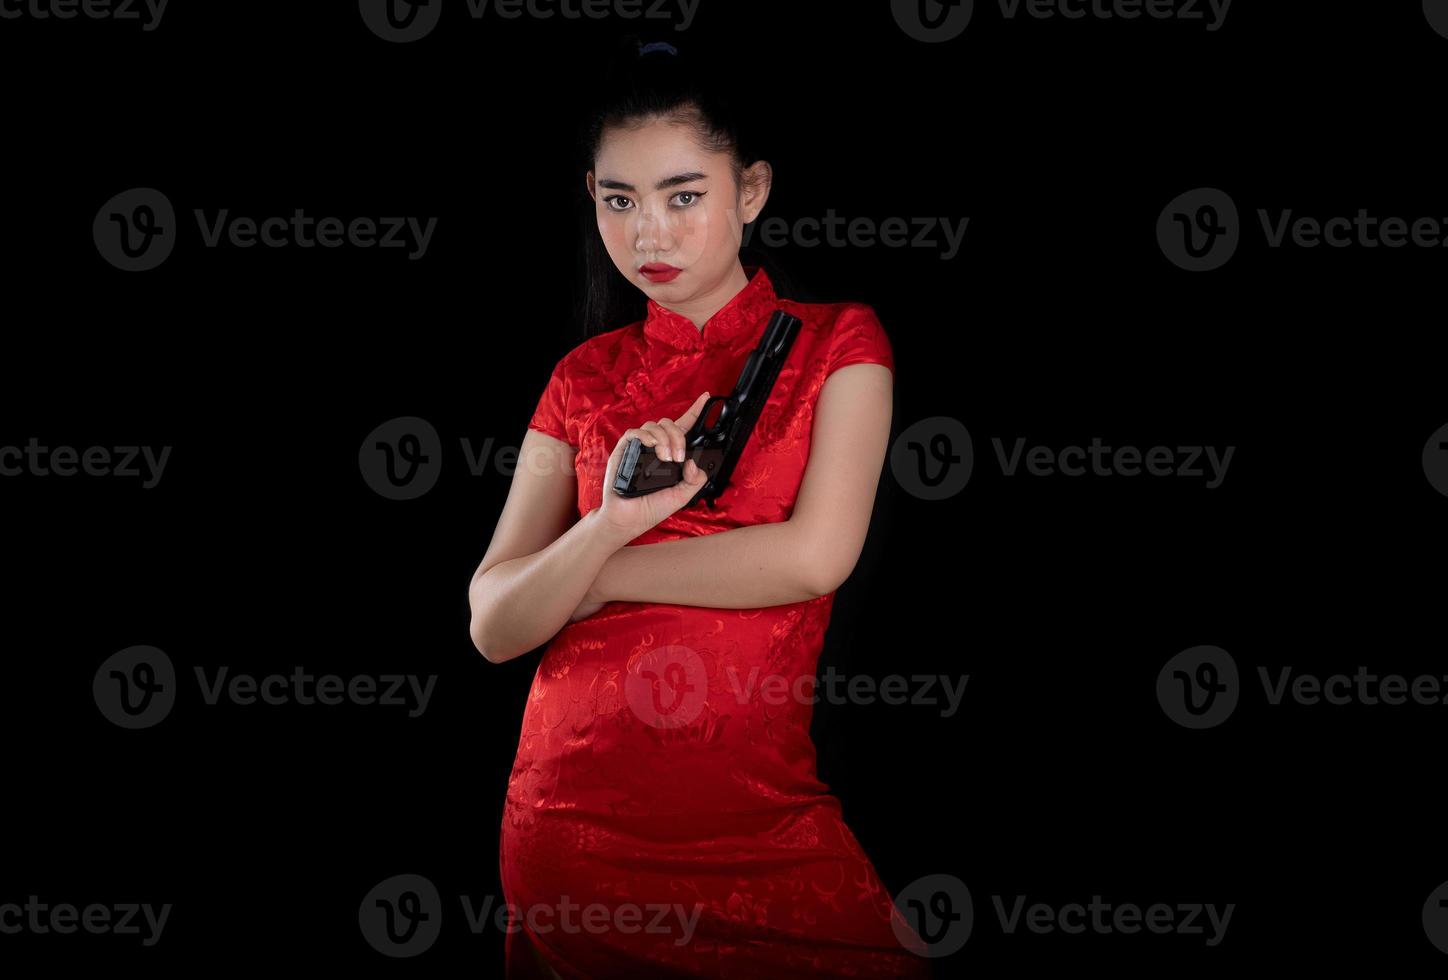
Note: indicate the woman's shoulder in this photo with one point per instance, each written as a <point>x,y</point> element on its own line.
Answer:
<point>845,330</point>
<point>600,352</point>
<point>836,317</point>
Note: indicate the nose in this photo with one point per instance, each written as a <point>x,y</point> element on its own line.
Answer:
<point>652,234</point>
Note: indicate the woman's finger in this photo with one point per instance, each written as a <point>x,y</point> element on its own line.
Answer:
<point>674,438</point>
<point>687,420</point>
<point>685,489</point>
<point>658,439</point>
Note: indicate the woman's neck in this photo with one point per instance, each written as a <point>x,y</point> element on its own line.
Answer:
<point>699,310</point>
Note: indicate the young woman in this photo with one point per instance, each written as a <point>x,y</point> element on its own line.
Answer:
<point>664,773</point>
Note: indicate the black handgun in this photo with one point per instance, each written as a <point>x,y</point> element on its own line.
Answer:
<point>715,447</point>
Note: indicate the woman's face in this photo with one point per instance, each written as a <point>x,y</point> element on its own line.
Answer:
<point>662,201</point>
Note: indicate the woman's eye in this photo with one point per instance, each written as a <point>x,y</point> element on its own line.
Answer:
<point>683,199</point>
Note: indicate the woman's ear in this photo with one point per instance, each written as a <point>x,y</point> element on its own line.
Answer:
<point>588,182</point>
<point>757,179</point>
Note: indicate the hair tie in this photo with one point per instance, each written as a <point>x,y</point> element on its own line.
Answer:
<point>658,46</point>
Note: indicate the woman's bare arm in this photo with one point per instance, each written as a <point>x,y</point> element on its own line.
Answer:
<point>810,554</point>
<point>742,568</point>
<point>542,559</point>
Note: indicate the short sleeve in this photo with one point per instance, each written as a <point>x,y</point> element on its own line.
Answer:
<point>548,416</point>
<point>858,338</point>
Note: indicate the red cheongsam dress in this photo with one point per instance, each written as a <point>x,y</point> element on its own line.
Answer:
<point>654,771</point>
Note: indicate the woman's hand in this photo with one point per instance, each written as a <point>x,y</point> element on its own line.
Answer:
<point>591,604</point>
<point>632,516</point>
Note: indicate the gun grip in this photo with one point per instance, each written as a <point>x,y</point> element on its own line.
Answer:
<point>641,471</point>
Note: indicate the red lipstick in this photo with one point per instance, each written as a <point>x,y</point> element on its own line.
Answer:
<point>659,271</point>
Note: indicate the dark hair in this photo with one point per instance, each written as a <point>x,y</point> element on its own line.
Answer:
<point>641,82</point>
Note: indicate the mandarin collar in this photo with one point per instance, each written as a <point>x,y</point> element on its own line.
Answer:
<point>737,318</point>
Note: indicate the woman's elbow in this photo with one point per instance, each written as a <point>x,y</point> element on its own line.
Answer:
<point>825,571</point>
<point>478,635</point>
<point>824,584</point>
<point>834,558</point>
<point>492,652</point>
<point>478,630</point>
<point>482,646</point>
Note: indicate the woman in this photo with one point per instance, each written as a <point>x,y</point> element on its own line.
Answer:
<point>665,764</point>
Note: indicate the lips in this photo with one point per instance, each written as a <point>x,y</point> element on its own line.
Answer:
<point>659,271</point>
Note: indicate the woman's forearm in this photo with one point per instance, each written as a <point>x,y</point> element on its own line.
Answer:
<point>742,568</point>
<point>519,604</point>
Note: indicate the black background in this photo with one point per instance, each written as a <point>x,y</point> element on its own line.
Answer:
<point>1060,320</point>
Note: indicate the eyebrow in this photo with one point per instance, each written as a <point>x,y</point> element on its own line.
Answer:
<point>609,183</point>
